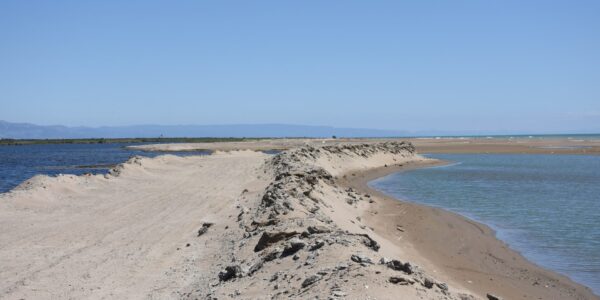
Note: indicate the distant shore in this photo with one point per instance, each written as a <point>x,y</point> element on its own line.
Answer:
<point>521,145</point>
<point>550,144</point>
<point>17,142</point>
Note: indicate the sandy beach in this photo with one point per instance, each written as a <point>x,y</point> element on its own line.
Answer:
<point>247,225</point>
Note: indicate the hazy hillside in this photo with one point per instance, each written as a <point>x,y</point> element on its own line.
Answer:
<point>31,131</point>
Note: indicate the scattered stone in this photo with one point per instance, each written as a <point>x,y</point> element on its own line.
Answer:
<point>400,280</point>
<point>399,266</point>
<point>256,266</point>
<point>442,286</point>
<point>316,245</point>
<point>338,294</point>
<point>292,247</point>
<point>361,259</point>
<point>369,242</point>
<point>204,228</point>
<point>318,229</point>
<point>428,282</point>
<point>230,272</point>
<point>463,296</point>
<point>493,297</point>
<point>269,238</point>
<point>311,280</point>
<point>384,261</point>
<point>269,222</point>
<point>273,254</point>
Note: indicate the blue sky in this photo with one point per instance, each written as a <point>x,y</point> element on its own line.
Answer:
<point>518,66</point>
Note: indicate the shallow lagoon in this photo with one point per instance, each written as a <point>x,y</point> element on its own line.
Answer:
<point>545,206</point>
<point>19,163</point>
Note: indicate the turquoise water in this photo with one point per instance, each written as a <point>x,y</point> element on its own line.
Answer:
<point>545,206</point>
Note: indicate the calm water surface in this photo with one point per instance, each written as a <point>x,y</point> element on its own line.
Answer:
<point>19,163</point>
<point>545,206</point>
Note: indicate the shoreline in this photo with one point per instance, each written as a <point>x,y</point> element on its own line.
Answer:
<point>464,251</point>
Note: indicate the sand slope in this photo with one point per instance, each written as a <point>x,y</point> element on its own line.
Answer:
<point>120,237</point>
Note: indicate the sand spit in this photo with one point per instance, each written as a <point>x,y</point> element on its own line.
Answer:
<point>558,145</point>
<point>238,224</point>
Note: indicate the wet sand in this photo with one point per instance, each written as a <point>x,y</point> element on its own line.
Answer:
<point>462,251</point>
<point>507,145</point>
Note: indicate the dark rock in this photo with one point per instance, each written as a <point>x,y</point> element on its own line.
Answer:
<point>442,286</point>
<point>361,259</point>
<point>493,297</point>
<point>269,238</point>
<point>230,272</point>
<point>273,254</point>
<point>269,222</point>
<point>316,245</point>
<point>292,247</point>
<point>338,294</point>
<point>399,266</point>
<point>256,266</point>
<point>311,280</point>
<point>428,282</point>
<point>401,280</point>
<point>204,228</point>
<point>318,229</point>
<point>310,259</point>
<point>369,242</point>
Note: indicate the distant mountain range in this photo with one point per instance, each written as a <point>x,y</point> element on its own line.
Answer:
<point>10,130</point>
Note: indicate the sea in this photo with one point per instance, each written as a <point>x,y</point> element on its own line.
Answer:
<point>547,207</point>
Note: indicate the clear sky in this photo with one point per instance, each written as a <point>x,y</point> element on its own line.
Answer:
<point>528,66</point>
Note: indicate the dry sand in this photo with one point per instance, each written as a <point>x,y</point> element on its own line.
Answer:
<point>248,225</point>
